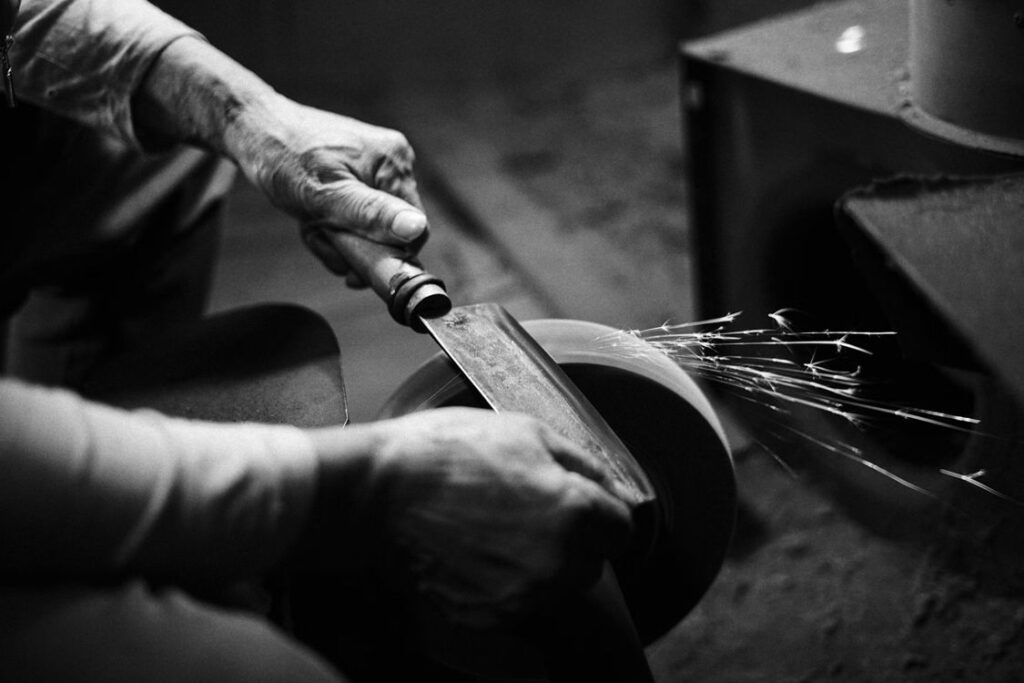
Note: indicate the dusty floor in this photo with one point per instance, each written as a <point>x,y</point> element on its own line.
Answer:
<point>568,199</point>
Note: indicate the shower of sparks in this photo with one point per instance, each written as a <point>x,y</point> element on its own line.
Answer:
<point>737,360</point>
<point>707,349</point>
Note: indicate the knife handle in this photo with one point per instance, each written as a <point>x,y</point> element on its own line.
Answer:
<point>410,292</point>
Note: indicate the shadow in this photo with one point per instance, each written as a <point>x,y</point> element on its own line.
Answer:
<point>269,363</point>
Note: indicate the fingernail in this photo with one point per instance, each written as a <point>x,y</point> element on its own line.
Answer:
<point>408,225</point>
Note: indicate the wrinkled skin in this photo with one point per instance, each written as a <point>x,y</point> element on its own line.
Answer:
<point>334,172</point>
<point>484,518</point>
<point>331,172</point>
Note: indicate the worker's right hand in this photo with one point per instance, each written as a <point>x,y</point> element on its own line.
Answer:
<point>334,174</point>
<point>331,172</point>
<point>483,517</point>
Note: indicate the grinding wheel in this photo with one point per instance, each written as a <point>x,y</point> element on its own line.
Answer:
<point>668,425</point>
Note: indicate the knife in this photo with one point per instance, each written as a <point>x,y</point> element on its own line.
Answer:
<point>513,373</point>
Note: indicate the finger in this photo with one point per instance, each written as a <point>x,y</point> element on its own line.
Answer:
<point>605,523</point>
<point>353,280</point>
<point>317,241</point>
<point>398,180</point>
<point>462,601</point>
<point>377,214</point>
<point>597,528</point>
<point>575,459</point>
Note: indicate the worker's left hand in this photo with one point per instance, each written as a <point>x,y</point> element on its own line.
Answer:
<point>486,519</point>
<point>336,173</point>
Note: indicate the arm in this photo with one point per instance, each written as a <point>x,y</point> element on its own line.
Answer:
<point>127,68</point>
<point>89,490</point>
<point>483,517</point>
<point>480,519</point>
<point>85,59</point>
<point>329,171</point>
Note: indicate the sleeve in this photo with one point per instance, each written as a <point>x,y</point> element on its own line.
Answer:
<point>83,59</point>
<point>89,490</point>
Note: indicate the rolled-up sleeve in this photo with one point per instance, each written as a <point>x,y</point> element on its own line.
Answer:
<point>86,489</point>
<point>83,59</point>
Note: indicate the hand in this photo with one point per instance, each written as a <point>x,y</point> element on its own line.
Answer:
<point>329,171</point>
<point>336,173</point>
<point>484,517</point>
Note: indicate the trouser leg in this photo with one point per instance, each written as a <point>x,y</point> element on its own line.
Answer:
<point>157,280</point>
<point>134,633</point>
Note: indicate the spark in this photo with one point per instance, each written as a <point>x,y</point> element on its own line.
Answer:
<point>854,454</point>
<point>781,319</point>
<point>780,461</point>
<point>432,399</point>
<point>972,479</point>
<point>703,348</point>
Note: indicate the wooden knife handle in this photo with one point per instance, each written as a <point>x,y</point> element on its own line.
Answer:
<point>410,292</point>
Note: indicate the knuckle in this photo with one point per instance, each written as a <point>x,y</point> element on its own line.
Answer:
<point>358,201</point>
<point>402,160</point>
<point>593,506</point>
<point>322,166</point>
<point>400,143</point>
<point>577,503</point>
<point>395,146</point>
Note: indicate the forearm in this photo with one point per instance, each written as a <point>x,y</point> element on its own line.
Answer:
<point>195,93</point>
<point>320,167</point>
<point>338,536</point>
<point>130,69</point>
<point>139,75</point>
<point>89,490</point>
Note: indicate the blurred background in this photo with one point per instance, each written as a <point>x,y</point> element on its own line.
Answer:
<point>320,48</point>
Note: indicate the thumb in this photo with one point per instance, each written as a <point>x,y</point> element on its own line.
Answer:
<point>318,242</point>
<point>575,459</point>
<point>378,215</point>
